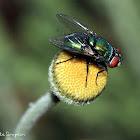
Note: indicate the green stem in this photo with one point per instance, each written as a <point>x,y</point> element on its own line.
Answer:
<point>33,113</point>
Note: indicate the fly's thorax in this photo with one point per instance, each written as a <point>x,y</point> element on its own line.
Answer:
<point>104,49</point>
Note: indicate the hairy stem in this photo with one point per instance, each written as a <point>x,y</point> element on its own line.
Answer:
<point>33,113</point>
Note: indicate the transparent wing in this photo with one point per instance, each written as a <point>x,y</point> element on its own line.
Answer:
<point>57,41</point>
<point>73,25</point>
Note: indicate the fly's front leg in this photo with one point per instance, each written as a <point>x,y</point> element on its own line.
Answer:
<point>87,63</point>
<point>102,65</point>
<point>67,60</point>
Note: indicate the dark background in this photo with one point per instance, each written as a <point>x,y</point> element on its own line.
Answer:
<point>25,56</point>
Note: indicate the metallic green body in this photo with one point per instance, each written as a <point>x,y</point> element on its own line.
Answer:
<point>104,49</point>
<point>78,42</point>
<point>74,42</point>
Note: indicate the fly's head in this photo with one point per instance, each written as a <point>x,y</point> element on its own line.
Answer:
<point>115,59</point>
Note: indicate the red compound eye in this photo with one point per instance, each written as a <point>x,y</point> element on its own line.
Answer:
<point>114,62</point>
<point>118,49</point>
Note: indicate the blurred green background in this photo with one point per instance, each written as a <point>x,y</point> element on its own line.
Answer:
<point>25,56</point>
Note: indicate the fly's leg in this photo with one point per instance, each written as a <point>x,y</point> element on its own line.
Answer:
<point>98,74</point>
<point>104,68</point>
<point>87,63</point>
<point>67,60</point>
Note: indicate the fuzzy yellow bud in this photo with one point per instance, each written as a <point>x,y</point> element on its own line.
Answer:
<point>68,79</point>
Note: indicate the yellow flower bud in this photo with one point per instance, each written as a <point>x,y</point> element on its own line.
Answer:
<point>68,79</point>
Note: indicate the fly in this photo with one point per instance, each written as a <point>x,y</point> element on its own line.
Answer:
<point>85,42</point>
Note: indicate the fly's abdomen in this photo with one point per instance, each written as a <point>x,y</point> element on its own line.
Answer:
<point>75,42</point>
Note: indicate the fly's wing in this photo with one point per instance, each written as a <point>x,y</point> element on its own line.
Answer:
<point>73,44</point>
<point>73,25</point>
<point>57,41</point>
